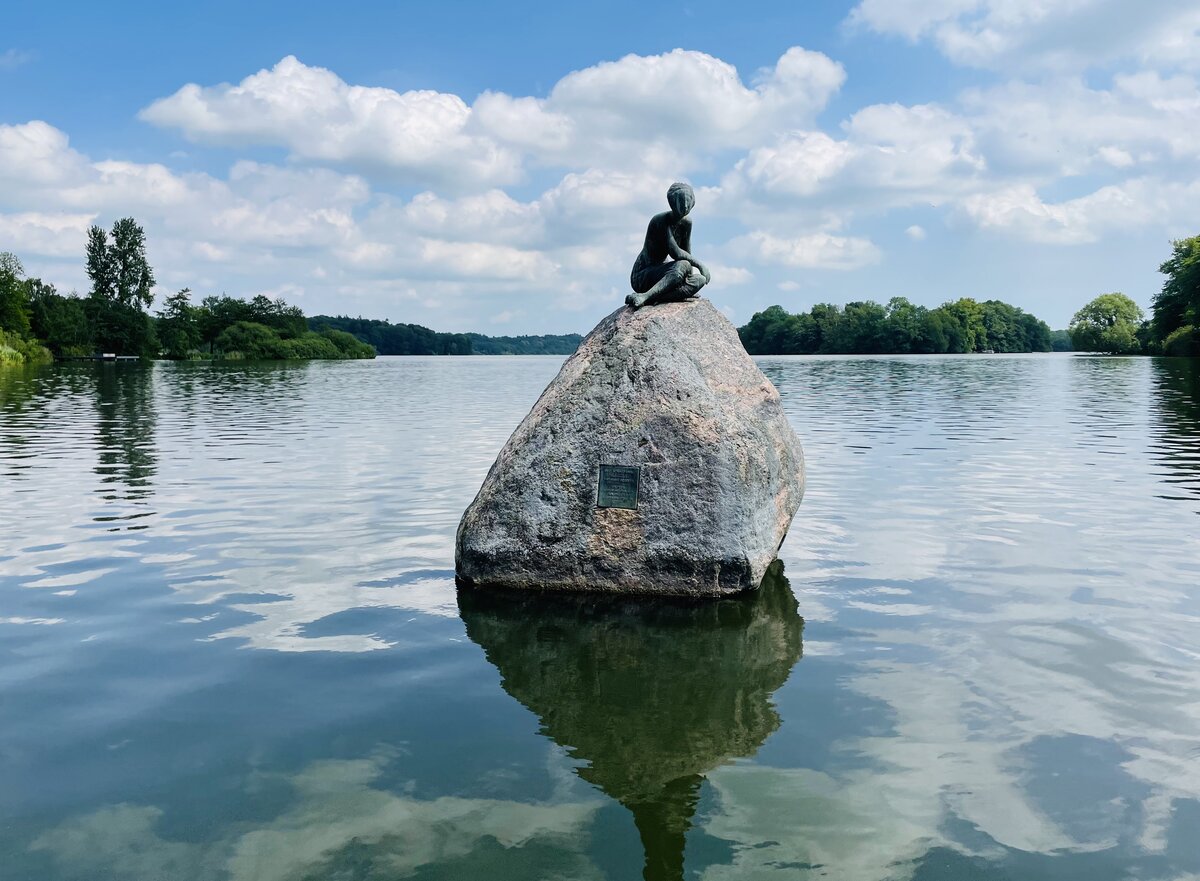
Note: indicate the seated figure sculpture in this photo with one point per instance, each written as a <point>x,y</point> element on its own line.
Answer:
<point>666,271</point>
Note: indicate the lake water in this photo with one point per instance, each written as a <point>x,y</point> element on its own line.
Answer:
<point>231,645</point>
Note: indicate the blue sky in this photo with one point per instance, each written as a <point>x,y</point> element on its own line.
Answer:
<point>491,166</point>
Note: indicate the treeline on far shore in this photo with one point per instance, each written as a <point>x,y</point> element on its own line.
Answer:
<point>899,328</point>
<point>1111,323</point>
<point>413,339</point>
<point>37,323</point>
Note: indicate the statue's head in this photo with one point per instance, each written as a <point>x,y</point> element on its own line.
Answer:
<point>681,198</point>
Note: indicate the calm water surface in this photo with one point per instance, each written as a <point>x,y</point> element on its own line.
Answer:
<point>231,646</point>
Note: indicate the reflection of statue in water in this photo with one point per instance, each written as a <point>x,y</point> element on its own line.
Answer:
<point>651,693</point>
<point>666,271</point>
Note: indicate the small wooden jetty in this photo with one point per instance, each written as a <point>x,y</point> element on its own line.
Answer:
<point>102,356</point>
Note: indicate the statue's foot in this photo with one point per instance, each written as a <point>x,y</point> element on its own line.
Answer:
<point>633,301</point>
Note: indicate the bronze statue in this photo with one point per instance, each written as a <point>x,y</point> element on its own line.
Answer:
<point>666,270</point>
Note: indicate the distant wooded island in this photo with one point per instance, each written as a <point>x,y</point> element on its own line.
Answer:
<point>1110,324</point>
<point>899,328</point>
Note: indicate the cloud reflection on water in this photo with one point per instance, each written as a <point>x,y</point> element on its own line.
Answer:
<point>996,561</point>
<point>337,820</point>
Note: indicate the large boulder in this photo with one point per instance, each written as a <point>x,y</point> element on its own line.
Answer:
<point>669,391</point>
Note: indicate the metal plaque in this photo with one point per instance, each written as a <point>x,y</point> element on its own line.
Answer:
<point>618,487</point>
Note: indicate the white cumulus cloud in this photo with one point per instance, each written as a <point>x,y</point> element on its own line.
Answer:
<point>1021,211</point>
<point>316,115</point>
<point>1046,34</point>
<point>660,111</point>
<point>816,251</point>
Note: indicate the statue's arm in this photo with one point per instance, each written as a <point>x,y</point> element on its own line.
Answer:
<point>681,250</point>
<point>678,248</point>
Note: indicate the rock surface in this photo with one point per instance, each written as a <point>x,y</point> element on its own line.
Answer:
<point>670,390</point>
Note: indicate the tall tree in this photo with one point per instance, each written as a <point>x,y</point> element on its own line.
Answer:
<point>122,283</point>
<point>133,279</point>
<point>99,264</point>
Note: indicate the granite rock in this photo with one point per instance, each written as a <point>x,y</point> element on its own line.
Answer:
<point>671,391</point>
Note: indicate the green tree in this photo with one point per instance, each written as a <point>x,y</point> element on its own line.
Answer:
<point>861,329</point>
<point>1183,340</point>
<point>1178,303</point>
<point>348,344</point>
<point>972,333</point>
<point>14,299</point>
<point>61,322</point>
<point>1060,341</point>
<point>1108,324</point>
<point>947,331</point>
<point>773,331</point>
<point>827,317</point>
<point>936,332</point>
<point>1176,313</point>
<point>253,341</point>
<point>121,290</point>
<point>218,313</point>
<point>133,279</point>
<point>17,345</point>
<point>178,326</point>
<point>99,264</point>
<point>10,263</point>
<point>1002,328</point>
<point>121,329</point>
<point>1035,332</point>
<point>249,340</point>
<point>287,321</point>
<point>905,326</point>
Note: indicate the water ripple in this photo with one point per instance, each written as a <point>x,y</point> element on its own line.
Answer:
<point>215,579</point>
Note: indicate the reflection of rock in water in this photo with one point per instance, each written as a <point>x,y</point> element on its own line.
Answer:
<point>650,693</point>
